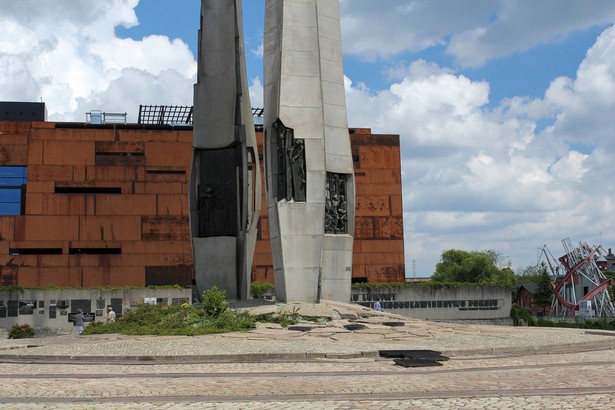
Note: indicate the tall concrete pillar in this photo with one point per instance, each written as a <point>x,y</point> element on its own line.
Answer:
<point>309,167</point>
<point>225,182</point>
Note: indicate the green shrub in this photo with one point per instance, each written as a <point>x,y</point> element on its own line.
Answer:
<point>213,316</point>
<point>21,331</point>
<point>214,301</point>
<point>258,289</point>
<point>517,313</point>
<point>580,324</point>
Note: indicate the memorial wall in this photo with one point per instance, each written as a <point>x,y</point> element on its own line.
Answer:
<point>439,303</point>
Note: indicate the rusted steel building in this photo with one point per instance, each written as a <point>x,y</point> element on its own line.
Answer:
<point>87,205</point>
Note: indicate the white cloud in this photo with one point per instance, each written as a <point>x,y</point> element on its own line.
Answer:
<point>478,178</point>
<point>472,33</point>
<point>66,53</point>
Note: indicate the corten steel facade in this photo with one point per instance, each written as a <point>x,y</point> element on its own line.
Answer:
<point>107,205</point>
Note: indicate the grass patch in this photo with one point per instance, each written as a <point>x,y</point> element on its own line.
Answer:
<point>582,324</point>
<point>213,316</point>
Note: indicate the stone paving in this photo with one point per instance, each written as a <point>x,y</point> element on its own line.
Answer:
<point>327,367</point>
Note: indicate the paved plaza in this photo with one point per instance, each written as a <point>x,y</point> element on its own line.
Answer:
<point>322,366</point>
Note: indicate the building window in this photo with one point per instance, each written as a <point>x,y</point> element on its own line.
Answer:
<point>12,190</point>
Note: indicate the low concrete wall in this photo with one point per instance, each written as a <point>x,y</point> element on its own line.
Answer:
<point>52,309</point>
<point>435,303</point>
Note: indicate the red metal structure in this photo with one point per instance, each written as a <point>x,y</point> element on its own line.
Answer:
<point>579,286</point>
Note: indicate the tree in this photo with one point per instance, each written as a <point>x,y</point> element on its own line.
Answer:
<point>530,274</point>
<point>471,267</point>
<point>544,292</point>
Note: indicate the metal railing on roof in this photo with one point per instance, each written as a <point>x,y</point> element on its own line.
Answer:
<point>101,117</point>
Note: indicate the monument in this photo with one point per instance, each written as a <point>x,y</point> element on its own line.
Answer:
<point>225,181</point>
<point>308,161</point>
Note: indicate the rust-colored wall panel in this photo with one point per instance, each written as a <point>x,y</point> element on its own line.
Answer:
<point>165,228</point>
<point>93,277</point>
<point>379,157</point>
<point>132,276</point>
<point>263,226</point>
<point>120,146</point>
<point>385,273</point>
<point>7,228</point>
<point>263,273</point>
<point>167,154</point>
<point>37,244</point>
<point>4,248</point>
<point>178,259</point>
<point>365,189</point>
<point>73,134</point>
<point>80,173</point>
<point>39,186</point>
<point>85,260</point>
<point>110,173</point>
<point>15,127</point>
<point>160,188</point>
<point>18,260</point>
<point>50,173</point>
<point>168,205</point>
<point>28,277</point>
<point>165,276</point>
<point>126,204</point>
<point>34,204</point>
<point>380,246</point>
<point>359,271</point>
<point>390,228</point>
<point>60,277</point>
<point>262,259</point>
<point>164,174</point>
<point>373,206</point>
<point>133,247</point>
<point>384,176</point>
<point>81,153</point>
<point>35,153</point>
<point>46,228</point>
<point>384,258</point>
<point>67,204</point>
<point>397,208</point>
<point>13,154</point>
<point>364,227</point>
<point>8,276</point>
<point>149,136</point>
<point>109,228</point>
<point>13,139</point>
<point>184,136</point>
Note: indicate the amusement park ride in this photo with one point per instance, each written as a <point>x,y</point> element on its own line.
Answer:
<point>579,285</point>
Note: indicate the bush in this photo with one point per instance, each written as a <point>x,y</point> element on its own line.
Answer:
<point>214,301</point>
<point>21,331</point>
<point>214,316</point>
<point>517,313</point>
<point>258,289</point>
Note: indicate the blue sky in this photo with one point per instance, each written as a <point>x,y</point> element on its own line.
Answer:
<point>503,107</point>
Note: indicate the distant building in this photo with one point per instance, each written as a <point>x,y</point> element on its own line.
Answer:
<point>525,297</point>
<point>106,204</point>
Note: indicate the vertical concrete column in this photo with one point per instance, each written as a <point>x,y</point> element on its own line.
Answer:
<point>225,188</point>
<point>311,220</point>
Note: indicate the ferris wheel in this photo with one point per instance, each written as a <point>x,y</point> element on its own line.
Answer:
<point>579,286</point>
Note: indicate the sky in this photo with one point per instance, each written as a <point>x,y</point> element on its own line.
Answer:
<point>505,108</point>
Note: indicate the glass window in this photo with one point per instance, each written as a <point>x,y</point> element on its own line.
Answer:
<point>12,189</point>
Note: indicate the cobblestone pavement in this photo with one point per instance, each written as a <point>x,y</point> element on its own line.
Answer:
<point>327,367</point>
<point>557,381</point>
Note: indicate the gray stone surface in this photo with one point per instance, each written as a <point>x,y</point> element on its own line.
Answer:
<point>304,89</point>
<point>327,367</point>
<point>223,122</point>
